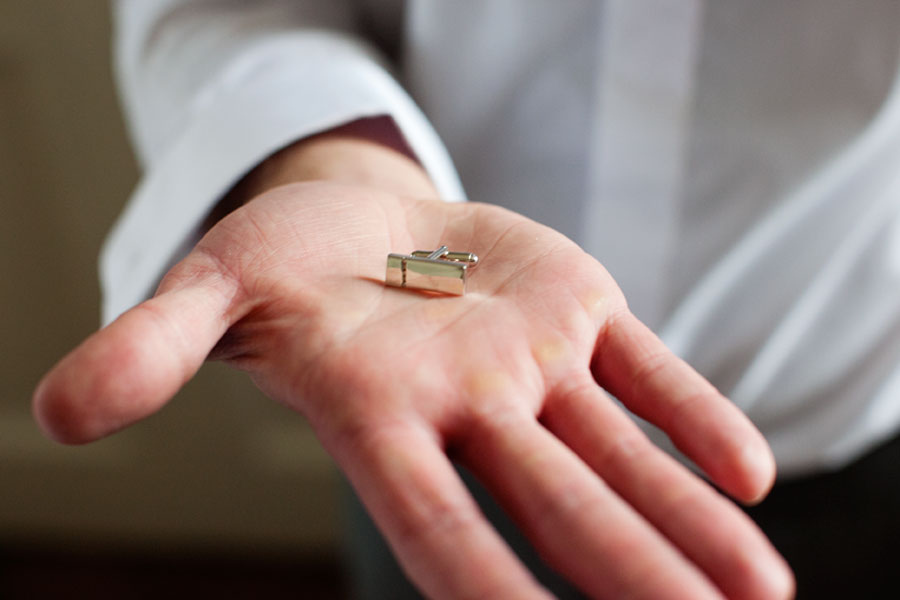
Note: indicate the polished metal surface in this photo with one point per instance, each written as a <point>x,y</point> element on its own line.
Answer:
<point>436,271</point>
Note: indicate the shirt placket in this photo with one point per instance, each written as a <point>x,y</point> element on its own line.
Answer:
<point>647,55</point>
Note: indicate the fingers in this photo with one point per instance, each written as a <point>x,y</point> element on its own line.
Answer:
<point>708,529</point>
<point>430,520</point>
<point>636,367</point>
<point>132,367</point>
<point>581,526</point>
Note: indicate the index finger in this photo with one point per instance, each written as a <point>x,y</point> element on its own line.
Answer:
<point>437,531</point>
<point>633,364</point>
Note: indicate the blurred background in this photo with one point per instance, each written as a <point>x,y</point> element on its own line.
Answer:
<point>223,490</point>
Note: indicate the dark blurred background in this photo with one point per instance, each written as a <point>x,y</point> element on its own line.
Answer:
<point>223,490</point>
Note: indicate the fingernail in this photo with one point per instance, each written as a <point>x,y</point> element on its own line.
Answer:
<point>758,464</point>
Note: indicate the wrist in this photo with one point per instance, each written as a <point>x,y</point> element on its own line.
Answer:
<point>366,152</point>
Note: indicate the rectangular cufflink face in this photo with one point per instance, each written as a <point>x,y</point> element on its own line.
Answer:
<point>395,275</point>
<point>426,274</point>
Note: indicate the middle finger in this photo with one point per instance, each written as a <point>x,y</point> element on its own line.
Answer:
<point>578,523</point>
<point>709,529</point>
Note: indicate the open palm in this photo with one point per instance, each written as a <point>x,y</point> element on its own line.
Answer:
<point>508,380</point>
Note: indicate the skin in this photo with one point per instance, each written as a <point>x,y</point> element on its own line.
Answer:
<point>510,380</point>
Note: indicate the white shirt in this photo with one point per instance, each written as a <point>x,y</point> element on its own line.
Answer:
<point>734,163</point>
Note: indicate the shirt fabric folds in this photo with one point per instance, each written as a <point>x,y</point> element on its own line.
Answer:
<point>734,164</point>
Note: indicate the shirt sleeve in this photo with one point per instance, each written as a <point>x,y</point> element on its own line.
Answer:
<point>211,88</point>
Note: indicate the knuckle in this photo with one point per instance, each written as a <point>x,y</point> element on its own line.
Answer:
<point>626,450</point>
<point>363,437</point>
<point>435,521</point>
<point>652,367</point>
<point>569,501</point>
<point>485,425</point>
<point>683,412</point>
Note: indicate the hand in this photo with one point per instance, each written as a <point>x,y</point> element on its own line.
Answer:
<point>504,380</point>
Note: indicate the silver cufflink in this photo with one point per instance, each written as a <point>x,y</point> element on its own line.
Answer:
<point>439,271</point>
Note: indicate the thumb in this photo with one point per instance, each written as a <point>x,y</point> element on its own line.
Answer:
<point>131,368</point>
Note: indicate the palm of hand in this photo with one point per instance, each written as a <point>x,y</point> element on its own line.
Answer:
<point>318,317</point>
<point>503,379</point>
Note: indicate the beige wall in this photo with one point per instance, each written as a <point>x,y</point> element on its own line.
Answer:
<point>221,465</point>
